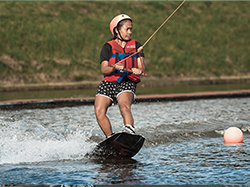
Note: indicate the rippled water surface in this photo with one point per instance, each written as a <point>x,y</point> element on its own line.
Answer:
<point>184,145</point>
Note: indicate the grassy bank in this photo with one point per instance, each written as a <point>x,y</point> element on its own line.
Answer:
<point>45,42</point>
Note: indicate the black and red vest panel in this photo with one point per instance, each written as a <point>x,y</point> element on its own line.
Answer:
<point>119,53</point>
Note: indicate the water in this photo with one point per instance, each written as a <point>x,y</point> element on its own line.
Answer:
<point>184,145</point>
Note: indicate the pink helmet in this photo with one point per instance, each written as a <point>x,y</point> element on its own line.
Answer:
<point>116,20</point>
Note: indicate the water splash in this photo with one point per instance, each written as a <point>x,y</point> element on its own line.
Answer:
<point>36,136</point>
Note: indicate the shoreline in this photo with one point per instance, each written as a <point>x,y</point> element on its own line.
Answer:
<point>70,102</point>
<point>149,81</point>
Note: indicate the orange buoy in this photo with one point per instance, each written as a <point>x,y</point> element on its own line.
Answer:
<point>233,135</point>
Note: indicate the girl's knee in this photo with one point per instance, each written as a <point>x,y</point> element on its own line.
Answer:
<point>99,111</point>
<point>125,109</point>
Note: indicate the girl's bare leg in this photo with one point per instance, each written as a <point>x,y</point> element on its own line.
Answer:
<point>101,105</point>
<point>125,101</point>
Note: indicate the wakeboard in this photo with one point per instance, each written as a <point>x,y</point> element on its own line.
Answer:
<point>120,144</point>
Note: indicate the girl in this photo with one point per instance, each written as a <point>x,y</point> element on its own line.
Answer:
<point>119,86</point>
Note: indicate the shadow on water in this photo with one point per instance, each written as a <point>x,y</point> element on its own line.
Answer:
<point>117,171</point>
<point>114,161</point>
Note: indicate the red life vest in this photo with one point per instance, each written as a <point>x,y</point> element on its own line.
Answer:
<point>119,53</point>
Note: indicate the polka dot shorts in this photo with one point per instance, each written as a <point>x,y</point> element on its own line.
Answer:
<point>113,89</point>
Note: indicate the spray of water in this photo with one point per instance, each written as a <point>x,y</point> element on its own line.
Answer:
<point>33,136</point>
